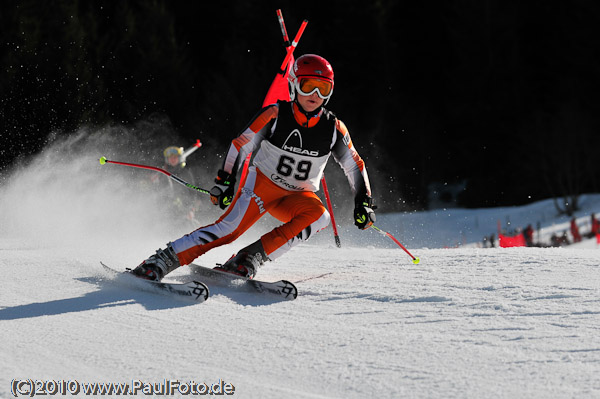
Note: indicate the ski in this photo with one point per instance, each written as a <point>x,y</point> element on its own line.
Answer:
<point>192,290</point>
<point>283,288</point>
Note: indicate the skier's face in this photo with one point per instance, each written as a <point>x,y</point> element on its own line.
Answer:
<point>173,160</point>
<point>311,102</point>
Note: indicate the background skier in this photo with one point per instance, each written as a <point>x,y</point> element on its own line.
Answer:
<point>180,202</point>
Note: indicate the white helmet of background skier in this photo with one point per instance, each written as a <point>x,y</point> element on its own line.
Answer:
<point>311,73</point>
<point>172,155</point>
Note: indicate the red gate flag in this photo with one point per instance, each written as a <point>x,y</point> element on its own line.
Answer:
<point>515,241</point>
<point>279,89</point>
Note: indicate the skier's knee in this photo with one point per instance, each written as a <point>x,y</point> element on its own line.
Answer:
<point>322,222</point>
<point>326,219</point>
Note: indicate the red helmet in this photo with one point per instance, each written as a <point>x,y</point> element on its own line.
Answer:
<point>311,73</point>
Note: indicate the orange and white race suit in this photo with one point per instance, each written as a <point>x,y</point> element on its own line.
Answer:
<point>291,151</point>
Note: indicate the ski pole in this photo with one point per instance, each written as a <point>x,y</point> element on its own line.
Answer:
<point>103,161</point>
<point>330,207</point>
<point>415,260</point>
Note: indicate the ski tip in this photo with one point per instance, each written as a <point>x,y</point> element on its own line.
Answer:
<point>290,290</point>
<point>200,291</point>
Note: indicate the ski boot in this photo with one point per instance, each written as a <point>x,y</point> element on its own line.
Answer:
<point>158,265</point>
<point>246,262</point>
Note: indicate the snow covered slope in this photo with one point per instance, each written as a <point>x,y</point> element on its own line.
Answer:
<point>368,323</point>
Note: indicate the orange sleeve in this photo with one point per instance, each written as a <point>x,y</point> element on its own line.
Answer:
<point>248,141</point>
<point>260,121</point>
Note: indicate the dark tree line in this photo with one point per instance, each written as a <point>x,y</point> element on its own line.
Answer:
<point>502,95</point>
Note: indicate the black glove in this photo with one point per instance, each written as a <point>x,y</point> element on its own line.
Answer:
<point>222,193</point>
<point>364,217</point>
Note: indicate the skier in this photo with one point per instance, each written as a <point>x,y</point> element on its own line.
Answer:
<point>176,162</point>
<point>528,234</point>
<point>292,142</point>
<point>595,226</point>
<point>575,230</point>
<point>179,202</point>
<point>173,163</point>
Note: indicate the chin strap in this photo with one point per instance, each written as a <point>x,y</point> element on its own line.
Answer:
<point>308,115</point>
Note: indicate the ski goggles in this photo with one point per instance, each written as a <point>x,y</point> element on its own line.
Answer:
<point>307,86</point>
